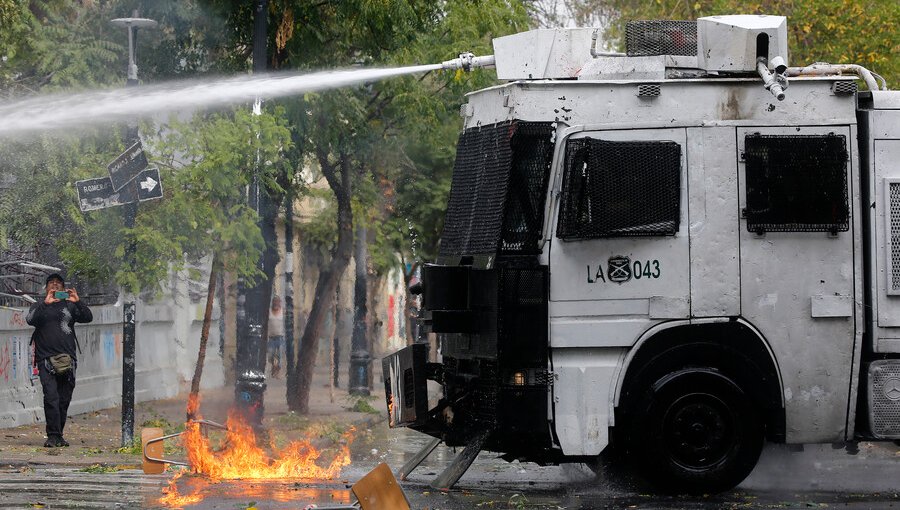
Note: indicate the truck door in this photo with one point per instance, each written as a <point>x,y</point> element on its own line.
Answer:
<point>798,265</point>
<point>619,262</point>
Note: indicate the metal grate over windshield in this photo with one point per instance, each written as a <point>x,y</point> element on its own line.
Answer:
<point>532,145</point>
<point>498,189</point>
<point>613,189</point>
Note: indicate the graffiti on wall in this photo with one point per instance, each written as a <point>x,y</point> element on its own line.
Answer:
<point>102,346</point>
<point>17,320</point>
<point>112,348</point>
<point>394,319</point>
<point>390,322</point>
<point>16,358</point>
<point>5,362</point>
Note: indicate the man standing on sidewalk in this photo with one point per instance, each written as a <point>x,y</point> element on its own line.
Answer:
<point>54,339</point>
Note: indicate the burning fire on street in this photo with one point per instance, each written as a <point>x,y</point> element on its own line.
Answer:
<point>241,456</point>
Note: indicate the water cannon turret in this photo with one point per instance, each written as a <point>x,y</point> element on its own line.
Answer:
<point>468,61</point>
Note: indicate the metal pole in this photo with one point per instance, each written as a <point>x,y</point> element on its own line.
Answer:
<point>359,350</point>
<point>250,384</point>
<point>129,309</point>
<point>289,280</point>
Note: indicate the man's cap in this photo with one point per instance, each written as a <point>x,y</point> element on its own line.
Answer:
<point>55,276</point>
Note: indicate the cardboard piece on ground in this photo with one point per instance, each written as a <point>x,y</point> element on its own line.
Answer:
<point>379,490</point>
<point>155,450</point>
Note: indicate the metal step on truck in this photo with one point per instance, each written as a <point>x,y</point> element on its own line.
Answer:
<point>675,254</point>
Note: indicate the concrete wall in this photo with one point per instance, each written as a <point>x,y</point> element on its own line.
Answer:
<point>168,336</point>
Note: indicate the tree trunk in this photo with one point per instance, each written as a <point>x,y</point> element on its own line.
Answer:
<point>336,340</point>
<point>204,336</point>
<point>289,281</point>
<point>299,385</point>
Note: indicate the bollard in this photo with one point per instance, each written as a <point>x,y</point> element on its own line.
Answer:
<point>249,390</point>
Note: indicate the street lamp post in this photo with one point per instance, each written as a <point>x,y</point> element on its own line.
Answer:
<point>250,364</point>
<point>129,309</point>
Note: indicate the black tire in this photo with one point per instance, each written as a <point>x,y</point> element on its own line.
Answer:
<point>695,431</point>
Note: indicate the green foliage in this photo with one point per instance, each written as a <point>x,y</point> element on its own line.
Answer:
<point>332,431</point>
<point>319,230</point>
<point>100,469</point>
<point>51,45</point>
<point>135,448</point>
<point>399,132</point>
<point>293,421</point>
<point>362,405</point>
<point>40,205</point>
<point>203,209</point>
<point>164,424</point>
<point>517,501</point>
<point>207,164</point>
<point>420,159</point>
<point>396,136</point>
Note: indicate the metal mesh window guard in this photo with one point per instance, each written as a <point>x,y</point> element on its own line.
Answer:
<point>477,191</point>
<point>894,211</point>
<point>796,183</point>
<point>613,189</point>
<point>660,37</point>
<point>532,155</point>
<point>498,189</point>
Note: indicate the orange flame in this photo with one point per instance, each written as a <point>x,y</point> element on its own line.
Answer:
<point>241,457</point>
<point>193,405</point>
<point>173,499</point>
<point>391,410</point>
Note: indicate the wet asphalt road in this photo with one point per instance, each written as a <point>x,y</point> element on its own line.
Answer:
<point>818,477</point>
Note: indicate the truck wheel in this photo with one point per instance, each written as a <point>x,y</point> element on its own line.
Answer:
<point>696,431</point>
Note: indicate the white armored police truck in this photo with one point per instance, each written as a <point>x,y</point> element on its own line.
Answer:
<point>678,253</point>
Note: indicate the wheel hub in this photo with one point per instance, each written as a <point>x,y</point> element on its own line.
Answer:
<point>698,430</point>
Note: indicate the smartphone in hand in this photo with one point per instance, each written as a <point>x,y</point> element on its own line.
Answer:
<point>61,295</point>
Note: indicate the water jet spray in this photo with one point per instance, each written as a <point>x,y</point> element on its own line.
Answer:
<point>68,110</point>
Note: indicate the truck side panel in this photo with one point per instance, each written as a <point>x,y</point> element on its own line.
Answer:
<point>798,289</point>
<point>714,222</point>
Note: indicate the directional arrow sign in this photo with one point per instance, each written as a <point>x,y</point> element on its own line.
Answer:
<point>98,193</point>
<point>127,166</point>
<point>150,187</point>
<point>149,184</point>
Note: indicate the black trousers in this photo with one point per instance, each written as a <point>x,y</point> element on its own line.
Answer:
<point>57,395</point>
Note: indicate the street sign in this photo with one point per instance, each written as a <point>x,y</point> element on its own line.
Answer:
<point>149,184</point>
<point>127,166</point>
<point>98,193</point>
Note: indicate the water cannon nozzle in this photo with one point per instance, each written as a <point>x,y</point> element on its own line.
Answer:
<point>774,83</point>
<point>468,61</point>
<point>779,65</point>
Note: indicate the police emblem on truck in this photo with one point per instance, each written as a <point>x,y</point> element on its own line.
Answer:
<point>619,269</point>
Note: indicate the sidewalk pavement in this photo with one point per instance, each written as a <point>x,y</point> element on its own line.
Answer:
<point>95,437</point>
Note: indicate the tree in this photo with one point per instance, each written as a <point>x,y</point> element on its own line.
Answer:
<point>423,125</point>
<point>207,211</point>
<point>349,131</point>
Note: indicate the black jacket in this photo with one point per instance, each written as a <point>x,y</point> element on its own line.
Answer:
<point>54,327</point>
